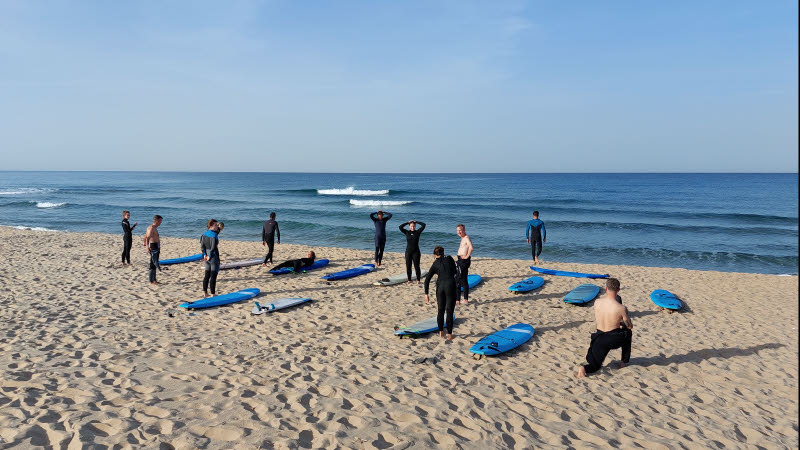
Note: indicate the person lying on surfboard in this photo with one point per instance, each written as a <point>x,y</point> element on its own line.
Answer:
<point>614,330</point>
<point>297,264</point>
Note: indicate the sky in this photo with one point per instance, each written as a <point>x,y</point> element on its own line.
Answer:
<point>411,86</point>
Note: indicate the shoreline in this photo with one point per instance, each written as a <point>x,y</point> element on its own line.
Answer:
<point>558,263</point>
<point>91,354</point>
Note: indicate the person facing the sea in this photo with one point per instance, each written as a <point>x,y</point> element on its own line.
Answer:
<point>614,330</point>
<point>127,237</point>
<point>412,246</point>
<point>379,219</point>
<point>297,265</point>
<point>209,247</point>
<point>464,260</point>
<point>268,232</point>
<point>445,268</point>
<point>152,243</point>
<point>535,234</point>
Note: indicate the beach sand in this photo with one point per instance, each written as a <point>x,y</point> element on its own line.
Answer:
<point>89,354</point>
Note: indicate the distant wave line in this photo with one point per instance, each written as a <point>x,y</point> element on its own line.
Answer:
<point>379,202</point>
<point>351,190</point>
<point>49,205</point>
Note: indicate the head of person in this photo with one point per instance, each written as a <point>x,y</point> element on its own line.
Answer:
<point>126,214</point>
<point>536,214</point>
<point>612,286</point>
<point>412,225</point>
<point>461,230</point>
<point>312,255</point>
<point>157,220</point>
<point>272,215</point>
<point>438,251</point>
<point>212,224</point>
<point>220,226</point>
<point>380,214</point>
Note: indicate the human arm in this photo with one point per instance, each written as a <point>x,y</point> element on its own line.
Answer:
<point>126,227</point>
<point>420,226</point>
<point>387,216</point>
<point>528,232</point>
<point>402,228</point>
<point>264,234</point>
<point>625,319</point>
<point>433,270</point>
<point>469,248</point>
<point>374,217</point>
<point>544,233</point>
<point>146,239</point>
<point>134,225</point>
<point>278,232</point>
<point>203,248</point>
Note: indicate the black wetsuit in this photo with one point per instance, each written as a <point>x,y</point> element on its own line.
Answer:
<point>268,233</point>
<point>446,290</point>
<point>295,264</point>
<point>380,234</point>
<point>462,276</point>
<point>605,341</point>
<point>155,250</point>
<point>127,240</point>
<point>209,246</point>
<point>412,248</point>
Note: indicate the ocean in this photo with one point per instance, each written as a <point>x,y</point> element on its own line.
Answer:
<point>725,222</point>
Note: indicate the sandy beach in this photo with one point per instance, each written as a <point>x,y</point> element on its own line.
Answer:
<point>92,355</point>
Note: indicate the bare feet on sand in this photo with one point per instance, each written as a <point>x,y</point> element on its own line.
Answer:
<point>581,372</point>
<point>154,283</point>
<point>621,365</point>
<point>441,334</point>
<point>449,337</point>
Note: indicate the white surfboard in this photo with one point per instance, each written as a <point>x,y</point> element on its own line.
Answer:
<point>400,278</point>
<point>240,264</point>
<point>282,303</point>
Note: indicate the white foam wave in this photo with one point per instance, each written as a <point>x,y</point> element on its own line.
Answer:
<point>352,191</point>
<point>20,227</point>
<point>379,202</point>
<point>49,205</point>
<point>21,191</point>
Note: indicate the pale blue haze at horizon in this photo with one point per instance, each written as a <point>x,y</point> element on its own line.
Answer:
<point>356,86</point>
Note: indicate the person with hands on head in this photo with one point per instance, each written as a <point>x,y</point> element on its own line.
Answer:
<point>379,219</point>
<point>412,246</point>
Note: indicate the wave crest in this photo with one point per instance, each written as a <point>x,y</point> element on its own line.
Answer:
<point>22,191</point>
<point>379,202</point>
<point>351,190</point>
<point>49,205</point>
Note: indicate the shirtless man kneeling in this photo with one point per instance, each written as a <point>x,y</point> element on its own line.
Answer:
<point>613,330</point>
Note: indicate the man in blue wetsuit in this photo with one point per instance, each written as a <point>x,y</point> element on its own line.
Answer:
<point>535,234</point>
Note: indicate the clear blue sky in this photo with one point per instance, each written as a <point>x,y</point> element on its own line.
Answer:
<point>412,86</point>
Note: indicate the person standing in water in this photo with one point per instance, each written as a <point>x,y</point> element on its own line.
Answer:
<point>152,243</point>
<point>209,247</point>
<point>445,269</point>
<point>379,219</point>
<point>614,330</point>
<point>127,237</point>
<point>268,232</point>
<point>464,260</point>
<point>535,234</point>
<point>412,246</point>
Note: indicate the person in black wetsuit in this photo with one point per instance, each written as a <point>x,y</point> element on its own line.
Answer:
<point>127,237</point>
<point>209,247</point>
<point>297,265</point>
<point>379,219</point>
<point>412,246</point>
<point>536,235</point>
<point>446,291</point>
<point>268,233</point>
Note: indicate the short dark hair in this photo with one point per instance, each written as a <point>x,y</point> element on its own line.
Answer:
<point>211,223</point>
<point>536,214</point>
<point>612,284</point>
<point>272,215</point>
<point>438,250</point>
<point>157,217</point>
<point>313,255</point>
<point>461,225</point>
<point>125,211</point>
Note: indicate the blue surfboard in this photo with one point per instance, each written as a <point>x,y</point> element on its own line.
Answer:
<point>318,264</point>
<point>527,284</point>
<point>473,280</point>
<point>666,299</point>
<point>220,300</point>
<point>503,340</point>
<point>350,273</point>
<point>582,294</point>
<point>564,273</point>
<point>185,259</point>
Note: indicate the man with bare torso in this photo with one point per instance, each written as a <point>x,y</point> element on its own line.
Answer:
<point>462,265</point>
<point>614,330</point>
<point>152,243</point>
